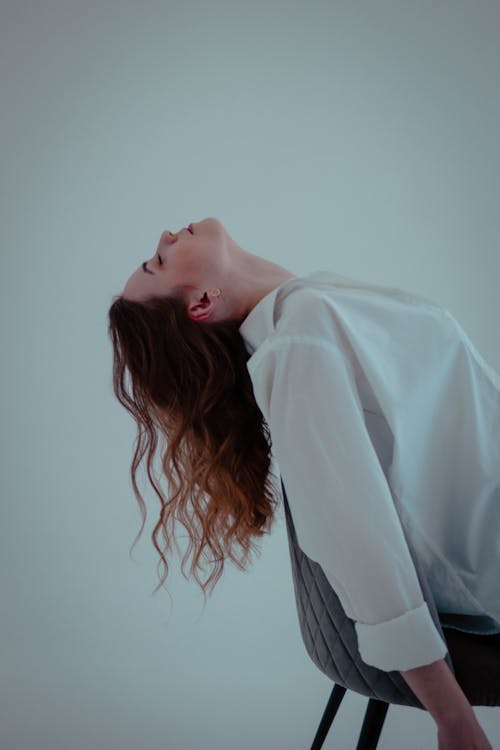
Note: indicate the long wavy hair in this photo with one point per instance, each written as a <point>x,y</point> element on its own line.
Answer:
<point>191,397</point>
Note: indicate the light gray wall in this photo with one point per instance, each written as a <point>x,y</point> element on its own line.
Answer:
<point>356,136</point>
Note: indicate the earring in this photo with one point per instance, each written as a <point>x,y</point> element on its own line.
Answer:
<point>215,292</point>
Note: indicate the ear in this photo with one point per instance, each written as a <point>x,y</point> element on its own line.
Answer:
<point>203,308</point>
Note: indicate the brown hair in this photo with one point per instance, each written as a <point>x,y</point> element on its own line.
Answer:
<point>190,390</point>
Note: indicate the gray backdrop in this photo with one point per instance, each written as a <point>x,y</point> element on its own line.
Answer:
<point>356,136</point>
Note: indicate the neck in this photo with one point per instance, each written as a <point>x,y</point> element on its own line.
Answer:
<point>250,278</point>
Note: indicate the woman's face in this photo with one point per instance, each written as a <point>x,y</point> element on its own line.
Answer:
<point>186,259</point>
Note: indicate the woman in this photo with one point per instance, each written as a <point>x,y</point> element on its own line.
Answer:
<point>375,394</point>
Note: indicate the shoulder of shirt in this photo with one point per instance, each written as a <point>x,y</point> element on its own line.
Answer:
<point>300,311</point>
<point>285,342</point>
<point>304,311</point>
<point>307,300</point>
<point>301,317</point>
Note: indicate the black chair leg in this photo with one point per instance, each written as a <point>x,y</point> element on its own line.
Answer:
<point>331,709</point>
<point>372,724</point>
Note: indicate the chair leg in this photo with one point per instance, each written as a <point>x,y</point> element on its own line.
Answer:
<point>331,709</point>
<point>372,724</point>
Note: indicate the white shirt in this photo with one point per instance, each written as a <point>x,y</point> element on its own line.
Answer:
<point>382,414</point>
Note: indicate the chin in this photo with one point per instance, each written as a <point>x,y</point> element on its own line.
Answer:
<point>214,226</point>
<point>214,222</point>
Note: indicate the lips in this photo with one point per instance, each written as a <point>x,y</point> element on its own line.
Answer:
<point>190,228</point>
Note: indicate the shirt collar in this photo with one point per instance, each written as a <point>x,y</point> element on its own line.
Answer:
<point>259,323</point>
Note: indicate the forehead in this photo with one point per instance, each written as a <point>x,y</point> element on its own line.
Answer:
<point>139,284</point>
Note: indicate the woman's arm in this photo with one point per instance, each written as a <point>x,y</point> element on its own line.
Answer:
<point>437,689</point>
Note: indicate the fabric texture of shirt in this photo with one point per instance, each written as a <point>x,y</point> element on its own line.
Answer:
<point>384,416</point>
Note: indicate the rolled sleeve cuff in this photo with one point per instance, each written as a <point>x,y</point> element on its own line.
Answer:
<point>405,642</point>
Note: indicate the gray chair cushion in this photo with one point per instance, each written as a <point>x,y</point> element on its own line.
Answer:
<point>329,635</point>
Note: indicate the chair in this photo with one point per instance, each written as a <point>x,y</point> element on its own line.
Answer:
<point>331,642</point>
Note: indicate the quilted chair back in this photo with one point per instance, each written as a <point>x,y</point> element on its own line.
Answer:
<point>329,635</point>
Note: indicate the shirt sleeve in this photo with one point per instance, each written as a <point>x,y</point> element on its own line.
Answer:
<point>341,504</point>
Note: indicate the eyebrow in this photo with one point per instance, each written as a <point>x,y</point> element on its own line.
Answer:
<point>146,269</point>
